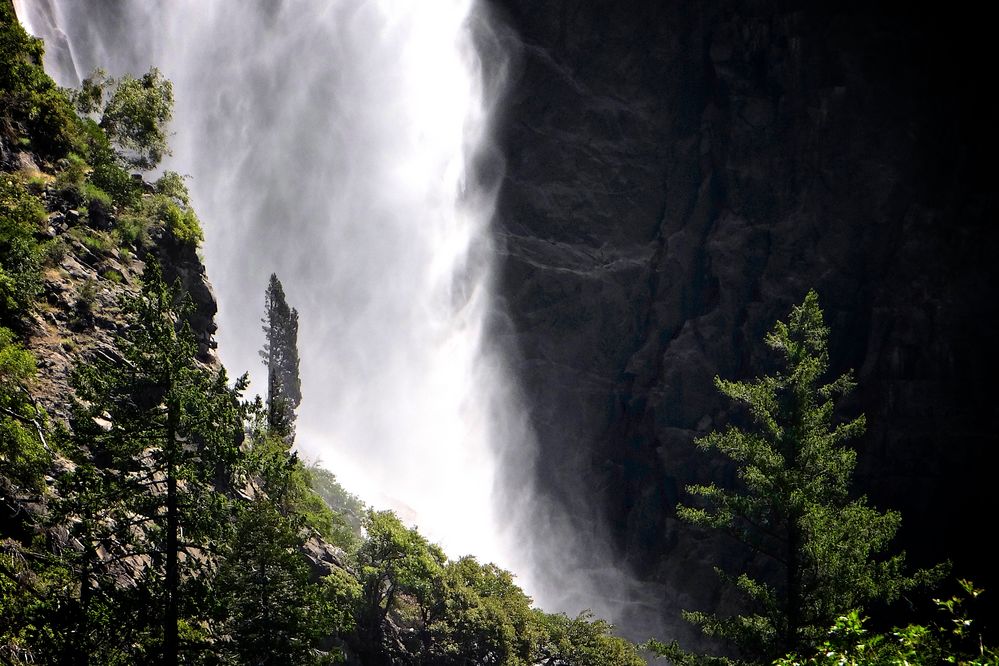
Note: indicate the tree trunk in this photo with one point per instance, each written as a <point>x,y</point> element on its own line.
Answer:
<point>793,609</point>
<point>171,645</point>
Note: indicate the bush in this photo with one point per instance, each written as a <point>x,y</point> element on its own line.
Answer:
<point>23,458</point>
<point>29,99</point>
<point>952,641</point>
<point>132,230</point>
<point>183,224</point>
<point>21,214</point>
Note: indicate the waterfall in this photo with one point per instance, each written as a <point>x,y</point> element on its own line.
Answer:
<point>344,145</point>
<point>331,143</point>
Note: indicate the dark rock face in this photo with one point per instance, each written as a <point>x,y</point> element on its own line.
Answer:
<point>180,263</point>
<point>679,174</point>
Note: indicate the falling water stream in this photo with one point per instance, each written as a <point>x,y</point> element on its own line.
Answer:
<point>329,143</point>
<point>332,143</point>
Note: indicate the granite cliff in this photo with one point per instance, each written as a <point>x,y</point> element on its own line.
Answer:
<point>678,175</point>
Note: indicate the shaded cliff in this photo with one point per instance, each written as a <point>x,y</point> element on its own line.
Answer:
<point>678,175</point>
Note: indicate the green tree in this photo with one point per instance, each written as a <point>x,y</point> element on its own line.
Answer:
<point>280,354</point>
<point>274,614</point>
<point>34,112</point>
<point>133,112</point>
<point>792,504</point>
<point>581,641</point>
<point>156,439</point>
<point>396,564</point>
<point>477,615</point>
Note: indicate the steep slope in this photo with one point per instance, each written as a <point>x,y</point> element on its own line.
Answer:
<point>678,175</point>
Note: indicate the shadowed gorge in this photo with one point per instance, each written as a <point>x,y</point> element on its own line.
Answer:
<point>680,174</point>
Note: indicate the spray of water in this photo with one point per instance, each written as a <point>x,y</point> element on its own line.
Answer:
<point>333,143</point>
<point>329,143</point>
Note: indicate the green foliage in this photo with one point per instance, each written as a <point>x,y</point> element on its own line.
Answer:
<point>348,506</point>
<point>272,613</point>
<point>33,592</point>
<point>132,229</point>
<point>134,113</point>
<point>158,209</point>
<point>280,354</point>
<point>171,184</point>
<point>478,615</point>
<point>792,504</point>
<point>23,457</point>
<point>165,430</point>
<point>32,107</point>
<point>951,641</point>
<point>21,214</point>
<point>394,560</point>
<point>288,484</point>
<point>181,221</point>
<point>582,641</point>
<point>342,593</point>
<point>94,241</point>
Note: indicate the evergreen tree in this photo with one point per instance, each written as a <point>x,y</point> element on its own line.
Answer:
<point>155,435</point>
<point>792,504</point>
<point>273,613</point>
<point>280,354</point>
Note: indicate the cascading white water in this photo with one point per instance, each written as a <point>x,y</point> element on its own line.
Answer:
<point>329,143</point>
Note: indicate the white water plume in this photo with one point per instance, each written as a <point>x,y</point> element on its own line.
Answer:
<point>330,143</point>
<point>333,143</point>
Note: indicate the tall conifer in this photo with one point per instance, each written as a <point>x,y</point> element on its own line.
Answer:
<point>154,431</point>
<point>793,504</point>
<point>280,354</point>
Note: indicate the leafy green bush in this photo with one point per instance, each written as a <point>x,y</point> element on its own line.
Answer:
<point>32,107</point>
<point>952,641</point>
<point>132,229</point>
<point>183,223</point>
<point>107,171</point>
<point>23,458</point>
<point>21,214</point>
<point>172,184</point>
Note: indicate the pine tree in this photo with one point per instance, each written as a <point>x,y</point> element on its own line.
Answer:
<point>280,354</point>
<point>154,434</point>
<point>792,504</point>
<point>273,614</point>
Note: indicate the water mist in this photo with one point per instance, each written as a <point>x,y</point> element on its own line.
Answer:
<point>333,143</point>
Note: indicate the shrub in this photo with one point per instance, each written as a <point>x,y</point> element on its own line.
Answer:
<point>132,229</point>
<point>133,113</point>
<point>21,214</point>
<point>184,224</point>
<point>23,457</point>
<point>29,99</point>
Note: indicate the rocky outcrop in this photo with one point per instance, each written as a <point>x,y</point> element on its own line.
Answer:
<point>680,174</point>
<point>79,314</point>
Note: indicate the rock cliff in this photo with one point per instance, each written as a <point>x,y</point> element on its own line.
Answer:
<point>678,175</point>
